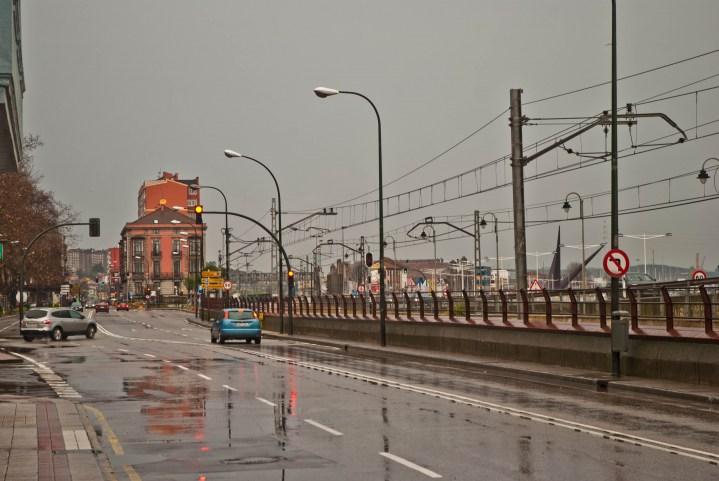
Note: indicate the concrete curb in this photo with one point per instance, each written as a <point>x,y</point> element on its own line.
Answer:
<point>602,383</point>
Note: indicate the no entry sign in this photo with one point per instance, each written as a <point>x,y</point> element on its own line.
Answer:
<point>616,263</point>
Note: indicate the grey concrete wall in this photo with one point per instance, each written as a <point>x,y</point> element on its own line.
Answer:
<point>673,359</point>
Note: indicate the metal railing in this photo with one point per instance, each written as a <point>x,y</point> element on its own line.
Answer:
<point>668,306</point>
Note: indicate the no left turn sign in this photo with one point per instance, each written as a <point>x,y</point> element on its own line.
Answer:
<point>616,263</point>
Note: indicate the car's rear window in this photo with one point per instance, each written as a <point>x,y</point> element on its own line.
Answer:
<point>35,314</point>
<point>240,315</point>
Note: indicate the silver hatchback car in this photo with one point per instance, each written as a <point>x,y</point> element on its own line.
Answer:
<point>56,323</point>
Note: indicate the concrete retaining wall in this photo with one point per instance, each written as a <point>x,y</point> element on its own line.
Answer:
<point>673,359</point>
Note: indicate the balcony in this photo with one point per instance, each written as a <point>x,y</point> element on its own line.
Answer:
<point>166,276</point>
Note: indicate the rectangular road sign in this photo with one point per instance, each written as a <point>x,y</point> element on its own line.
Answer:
<point>209,274</point>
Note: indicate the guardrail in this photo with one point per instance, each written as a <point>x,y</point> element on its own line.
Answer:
<point>693,305</point>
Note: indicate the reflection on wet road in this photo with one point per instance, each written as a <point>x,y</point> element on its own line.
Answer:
<point>179,408</point>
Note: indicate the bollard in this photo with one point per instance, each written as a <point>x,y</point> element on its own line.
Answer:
<point>525,306</point>
<point>633,308</point>
<point>364,306</point>
<point>344,305</point>
<point>396,305</point>
<point>668,308</point>
<point>602,308</point>
<point>503,298</point>
<point>485,306</point>
<point>547,307</point>
<point>573,307</point>
<point>450,305</point>
<point>314,306</point>
<point>337,306</point>
<point>708,328</point>
<point>620,340</point>
<point>354,307</point>
<point>435,305</point>
<point>408,305</point>
<point>467,317</point>
<point>421,306</point>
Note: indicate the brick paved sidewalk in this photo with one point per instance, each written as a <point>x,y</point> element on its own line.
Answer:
<point>45,440</point>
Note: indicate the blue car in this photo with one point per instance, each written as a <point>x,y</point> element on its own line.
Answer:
<point>236,324</point>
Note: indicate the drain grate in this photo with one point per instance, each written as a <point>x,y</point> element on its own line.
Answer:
<point>253,460</point>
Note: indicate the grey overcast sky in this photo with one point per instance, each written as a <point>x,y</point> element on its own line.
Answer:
<point>121,90</point>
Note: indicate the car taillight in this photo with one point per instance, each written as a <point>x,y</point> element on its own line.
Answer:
<point>47,322</point>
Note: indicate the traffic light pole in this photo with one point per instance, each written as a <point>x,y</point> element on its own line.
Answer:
<point>287,261</point>
<point>94,232</point>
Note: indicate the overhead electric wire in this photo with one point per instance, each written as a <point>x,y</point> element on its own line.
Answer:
<point>608,82</point>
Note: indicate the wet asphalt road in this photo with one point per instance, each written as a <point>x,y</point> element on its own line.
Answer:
<point>171,406</point>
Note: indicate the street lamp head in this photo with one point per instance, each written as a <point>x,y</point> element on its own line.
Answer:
<point>566,206</point>
<point>323,92</point>
<point>423,235</point>
<point>668,234</point>
<point>231,154</point>
<point>703,176</point>
<point>483,223</point>
<point>195,186</point>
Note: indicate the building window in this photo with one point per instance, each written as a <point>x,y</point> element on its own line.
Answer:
<point>191,202</point>
<point>155,247</point>
<point>176,247</point>
<point>176,267</point>
<point>138,289</point>
<point>156,268</point>
<point>138,247</point>
<point>156,231</point>
<point>138,267</point>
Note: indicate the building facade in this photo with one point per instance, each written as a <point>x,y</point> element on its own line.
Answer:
<point>159,251</point>
<point>82,261</point>
<point>12,86</point>
<point>167,190</point>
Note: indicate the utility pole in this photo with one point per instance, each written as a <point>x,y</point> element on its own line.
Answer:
<point>273,249</point>
<point>477,254</point>
<point>616,355</point>
<point>520,242</point>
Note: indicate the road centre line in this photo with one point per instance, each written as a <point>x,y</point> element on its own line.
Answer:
<point>265,401</point>
<point>149,355</point>
<point>411,465</point>
<point>323,427</point>
<point>712,458</point>
<point>208,378</point>
<point>182,367</point>
<point>229,388</point>
<point>122,350</point>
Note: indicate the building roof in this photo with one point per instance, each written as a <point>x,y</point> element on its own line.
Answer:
<point>161,216</point>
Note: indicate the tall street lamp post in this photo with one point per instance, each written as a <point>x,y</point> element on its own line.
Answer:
<point>230,154</point>
<point>483,224</point>
<point>323,92</point>
<point>566,208</point>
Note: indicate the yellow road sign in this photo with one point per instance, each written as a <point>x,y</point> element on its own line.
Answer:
<point>211,274</point>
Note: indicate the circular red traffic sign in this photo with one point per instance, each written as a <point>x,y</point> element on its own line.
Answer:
<point>699,274</point>
<point>227,285</point>
<point>616,263</point>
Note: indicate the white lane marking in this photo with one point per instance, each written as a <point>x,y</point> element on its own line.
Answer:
<point>208,378</point>
<point>57,383</point>
<point>68,437</point>
<point>229,388</point>
<point>122,350</point>
<point>10,325</point>
<point>182,367</point>
<point>411,465</point>
<point>149,355</point>
<point>167,361</point>
<point>608,434</point>
<point>82,440</point>
<point>265,401</point>
<point>323,427</point>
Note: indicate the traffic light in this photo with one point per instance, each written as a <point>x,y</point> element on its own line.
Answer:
<point>368,259</point>
<point>198,214</point>
<point>291,281</point>
<point>94,227</point>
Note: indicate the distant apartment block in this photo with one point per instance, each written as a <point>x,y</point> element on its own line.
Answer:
<point>12,86</point>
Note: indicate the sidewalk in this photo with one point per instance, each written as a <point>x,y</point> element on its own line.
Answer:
<point>44,440</point>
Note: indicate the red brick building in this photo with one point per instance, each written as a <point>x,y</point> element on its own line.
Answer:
<point>168,190</point>
<point>159,251</point>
